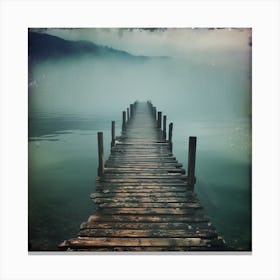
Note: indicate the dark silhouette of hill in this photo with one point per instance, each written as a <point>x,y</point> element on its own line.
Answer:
<point>43,46</point>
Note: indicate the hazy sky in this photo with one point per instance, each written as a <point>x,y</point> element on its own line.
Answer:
<point>176,42</point>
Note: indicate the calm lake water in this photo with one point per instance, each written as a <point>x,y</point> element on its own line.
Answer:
<point>63,167</point>
<point>62,171</point>
<point>71,100</point>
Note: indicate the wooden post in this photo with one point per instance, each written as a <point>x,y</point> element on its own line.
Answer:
<point>155,112</point>
<point>164,127</point>
<point>191,161</point>
<point>159,119</point>
<point>100,170</point>
<point>127,111</point>
<point>113,134</point>
<point>150,106</point>
<point>135,104</point>
<point>131,111</point>
<point>123,120</point>
<point>170,132</point>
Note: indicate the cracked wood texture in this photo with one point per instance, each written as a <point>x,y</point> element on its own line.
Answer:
<point>143,199</point>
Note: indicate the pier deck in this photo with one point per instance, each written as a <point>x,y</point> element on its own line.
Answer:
<point>144,200</point>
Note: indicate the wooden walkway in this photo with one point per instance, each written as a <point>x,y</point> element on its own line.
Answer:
<point>144,200</point>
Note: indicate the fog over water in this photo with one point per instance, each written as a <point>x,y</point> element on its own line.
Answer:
<point>218,87</point>
<point>205,92</point>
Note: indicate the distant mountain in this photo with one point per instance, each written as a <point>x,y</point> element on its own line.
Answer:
<point>43,46</point>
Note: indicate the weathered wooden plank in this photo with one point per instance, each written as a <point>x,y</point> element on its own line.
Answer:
<point>150,189</point>
<point>155,188</point>
<point>145,173</point>
<point>133,162</point>
<point>139,249</point>
<point>158,170</point>
<point>141,162</point>
<point>138,131</point>
<point>140,148</point>
<point>143,176</point>
<point>129,181</point>
<point>138,205</point>
<point>153,152</point>
<point>145,199</point>
<point>120,169</point>
<point>116,186</point>
<point>147,160</point>
<point>198,218</point>
<point>152,184</point>
<point>156,150</point>
<point>148,233</point>
<point>139,189</point>
<point>141,193</point>
<point>132,155</point>
<point>147,225</point>
<point>125,142</point>
<point>158,165</point>
<point>143,157</point>
<point>136,242</point>
<point>124,163</point>
<point>142,141</point>
<point>143,179</point>
<point>112,182</point>
<point>147,211</point>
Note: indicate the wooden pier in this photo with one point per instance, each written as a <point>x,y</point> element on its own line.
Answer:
<point>144,200</point>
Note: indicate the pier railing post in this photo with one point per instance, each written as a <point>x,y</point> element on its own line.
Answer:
<point>159,119</point>
<point>135,104</point>
<point>170,132</point>
<point>127,111</point>
<point>123,120</point>
<point>164,127</point>
<point>151,107</point>
<point>113,134</point>
<point>100,170</point>
<point>131,111</point>
<point>155,112</point>
<point>191,161</point>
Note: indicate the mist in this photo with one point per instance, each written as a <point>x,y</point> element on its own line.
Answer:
<point>204,85</point>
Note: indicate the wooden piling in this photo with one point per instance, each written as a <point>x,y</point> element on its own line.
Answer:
<point>164,127</point>
<point>127,111</point>
<point>123,120</point>
<point>113,134</point>
<point>170,132</point>
<point>159,119</point>
<point>100,154</point>
<point>131,111</point>
<point>151,107</point>
<point>155,112</point>
<point>191,161</point>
